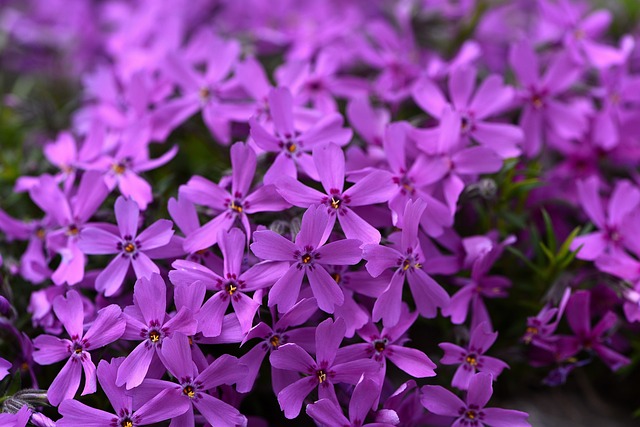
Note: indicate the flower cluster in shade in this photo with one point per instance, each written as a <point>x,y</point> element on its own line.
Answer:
<point>339,231</point>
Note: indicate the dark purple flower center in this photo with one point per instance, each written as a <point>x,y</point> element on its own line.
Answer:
<point>274,341</point>
<point>189,391</point>
<point>380,345</point>
<point>322,375</point>
<point>472,359</point>
<point>128,246</point>
<point>236,206</point>
<point>154,336</point>
<point>126,422</point>
<point>73,230</point>
<point>306,258</point>
<point>231,287</point>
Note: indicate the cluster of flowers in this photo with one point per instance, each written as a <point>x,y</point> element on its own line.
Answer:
<point>302,251</point>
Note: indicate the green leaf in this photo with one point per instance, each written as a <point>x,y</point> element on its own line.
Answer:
<point>551,235</point>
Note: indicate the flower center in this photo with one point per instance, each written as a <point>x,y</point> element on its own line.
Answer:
<point>129,247</point>
<point>472,415</point>
<point>306,258</point>
<point>291,147</point>
<point>73,230</point>
<point>336,277</point>
<point>335,202</point>
<point>322,376</point>
<point>236,206</point>
<point>231,287</point>
<point>472,360</point>
<point>380,345</point>
<point>126,423</point>
<point>40,233</point>
<point>154,336</point>
<point>189,391</point>
<point>119,168</point>
<point>537,101</point>
<point>275,341</point>
<point>204,93</point>
<point>77,348</point>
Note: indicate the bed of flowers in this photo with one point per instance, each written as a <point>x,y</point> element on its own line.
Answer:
<point>324,212</point>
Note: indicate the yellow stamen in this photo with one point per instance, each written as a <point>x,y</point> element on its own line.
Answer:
<point>73,230</point>
<point>335,203</point>
<point>471,360</point>
<point>129,247</point>
<point>119,168</point>
<point>275,341</point>
<point>306,259</point>
<point>322,376</point>
<point>291,147</point>
<point>126,423</point>
<point>154,336</point>
<point>471,415</point>
<point>235,207</point>
<point>231,288</point>
<point>336,277</point>
<point>189,391</point>
<point>40,233</point>
<point>379,346</point>
<point>204,93</point>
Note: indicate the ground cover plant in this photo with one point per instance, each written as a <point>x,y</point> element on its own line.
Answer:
<point>323,212</point>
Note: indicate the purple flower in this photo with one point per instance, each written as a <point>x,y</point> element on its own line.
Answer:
<point>192,386</point>
<point>389,344</point>
<point>131,158</point>
<point>491,98</point>
<point>407,263</point>
<point>479,285</point>
<point>292,145</point>
<point>540,329</point>
<point>71,214</point>
<point>614,226</point>
<point>472,411</point>
<point>19,419</point>
<point>328,414</point>
<point>321,373</point>
<point>591,338</point>
<point>132,249</point>
<point>106,328</point>
<point>4,368</point>
<point>472,358</point>
<point>376,187</point>
<point>308,255</point>
<point>282,332</point>
<point>161,407</point>
<point>205,92</point>
<point>147,320</point>
<point>231,287</point>
<point>542,111</point>
<point>230,206</point>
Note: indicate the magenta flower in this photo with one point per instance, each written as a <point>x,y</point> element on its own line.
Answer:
<point>376,187</point>
<point>132,249</point>
<point>131,158</point>
<point>321,373</point>
<point>192,386</point>
<point>147,320</point>
<point>407,263</point>
<point>614,226</point>
<point>492,98</point>
<point>71,215</point>
<point>231,287</point>
<point>540,328</point>
<point>4,368</point>
<point>206,92</point>
<point>543,112</point>
<point>479,286</point>
<point>293,146</point>
<point>308,255</point>
<point>283,331</point>
<point>472,411</point>
<point>472,358</point>
<point>161,407</point>
<point>389,344</point>
<point>106,328</point>
<point>230,206</point>
<point>589,338</point>
<point>363,398</point>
